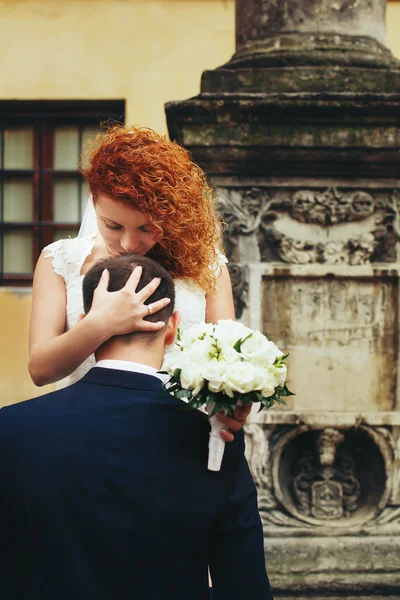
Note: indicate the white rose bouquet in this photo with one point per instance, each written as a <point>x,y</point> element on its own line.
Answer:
<point>217,366</point>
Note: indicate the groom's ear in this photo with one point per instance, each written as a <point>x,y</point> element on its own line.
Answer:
<point>172,328</point>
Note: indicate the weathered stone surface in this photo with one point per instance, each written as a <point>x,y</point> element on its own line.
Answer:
<point>291,135</point>
<point>341,335</point>
<point>321,566</point>
<point>324,566</point>
<point>307,78</point>
<point>260,19</point>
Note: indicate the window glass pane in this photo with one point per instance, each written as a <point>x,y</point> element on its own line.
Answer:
<point>18,251</point>
<point>62,234</point>
<point>66,194</point>
<point>18,148</point>
<point>85,193</point>
<point>88,135</point>
<point>66,148</point>
<point>18,200</point>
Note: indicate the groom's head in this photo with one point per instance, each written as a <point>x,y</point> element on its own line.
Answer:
<point>120,269</point>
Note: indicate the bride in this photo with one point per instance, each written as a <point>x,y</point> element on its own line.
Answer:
<point>149,198</point>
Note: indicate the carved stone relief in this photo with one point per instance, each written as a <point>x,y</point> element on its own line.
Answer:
<point>313,225</point>
<point>240,287</point>
<point>308,479</point>
<point>326,486</point>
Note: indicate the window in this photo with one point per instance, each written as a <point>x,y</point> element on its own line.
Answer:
<point>42,194</point>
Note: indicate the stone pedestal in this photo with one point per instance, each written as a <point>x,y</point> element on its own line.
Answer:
<point>300,135</point>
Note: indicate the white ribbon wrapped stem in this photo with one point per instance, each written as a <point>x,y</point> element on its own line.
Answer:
<point>216,444</point>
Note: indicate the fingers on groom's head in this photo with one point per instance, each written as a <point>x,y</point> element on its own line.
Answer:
<point>138,275</point>
<point>134,278</point>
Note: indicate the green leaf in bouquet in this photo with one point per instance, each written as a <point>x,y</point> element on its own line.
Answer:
<point>280,401</point>
<point>177,374</point>
<point>232,408</point>
<point>217,407</point>
<point>192,404</point>
<point>266,403</point>
<point>286,391</point>
<point>252,397</point>
<point>238,345</point>
<point>221,403</point>
<point>280,359</point>
<point>283,391</point>
<point>183,394</point>
<point>195,403</point>
<point>211,397</point>
<point>174,388</point>
<point>229,409</point>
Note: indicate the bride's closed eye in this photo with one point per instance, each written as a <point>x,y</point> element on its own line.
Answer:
<point>115,227</point>
<point>111,224</point>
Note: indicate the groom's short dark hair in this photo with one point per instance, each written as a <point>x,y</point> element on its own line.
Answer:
<point>120,269</point>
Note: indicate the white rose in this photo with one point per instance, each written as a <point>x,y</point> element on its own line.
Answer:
<point>229,355</point>
<point>172,360</point>
<point>214,372</point>
<point>279,373</point>
<point>228,332</point>
<point>268,389</point>
<point>240,378</point>
<point>195,332</point>
<point>258,349</point>
<point>201,351</point>
<point>262,378</point>
<point>191,378</point>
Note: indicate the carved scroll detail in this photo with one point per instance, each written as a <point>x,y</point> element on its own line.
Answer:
<point>255,211</point>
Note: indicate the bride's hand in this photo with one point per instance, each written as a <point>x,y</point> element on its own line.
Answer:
<point>124,311</point>
<point>234,424</point>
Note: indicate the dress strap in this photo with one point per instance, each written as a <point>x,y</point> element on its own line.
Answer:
<point>69,255</point>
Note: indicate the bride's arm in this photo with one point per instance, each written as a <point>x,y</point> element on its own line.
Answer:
<point>219,305</point>
<point>54,354</point>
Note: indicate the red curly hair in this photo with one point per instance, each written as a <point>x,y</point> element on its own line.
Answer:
<point>144,170</point>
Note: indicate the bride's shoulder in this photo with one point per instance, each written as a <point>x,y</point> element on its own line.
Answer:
<point>69,254</point>
<point>185,285</point>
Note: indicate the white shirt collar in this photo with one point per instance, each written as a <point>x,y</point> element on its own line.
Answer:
<point>127,365</point>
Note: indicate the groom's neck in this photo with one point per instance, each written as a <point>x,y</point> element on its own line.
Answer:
<point>137,351</point>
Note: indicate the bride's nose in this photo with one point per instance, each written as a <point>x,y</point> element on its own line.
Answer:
<point>129,243</point>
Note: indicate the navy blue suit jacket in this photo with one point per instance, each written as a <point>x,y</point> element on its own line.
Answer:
<point>106,496</point>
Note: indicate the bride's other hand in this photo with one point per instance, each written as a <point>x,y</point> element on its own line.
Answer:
<point>124,311</point>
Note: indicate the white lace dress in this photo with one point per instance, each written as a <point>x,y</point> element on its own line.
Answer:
<point>68,257</point>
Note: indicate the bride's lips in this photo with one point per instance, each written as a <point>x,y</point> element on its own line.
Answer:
<point>141,253</point>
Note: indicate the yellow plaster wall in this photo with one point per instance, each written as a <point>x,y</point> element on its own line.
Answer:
<point>393,27</point>
<point>15,383</point>
<point>144,51</point>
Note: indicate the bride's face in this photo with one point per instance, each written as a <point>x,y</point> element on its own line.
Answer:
<point>123,228</point>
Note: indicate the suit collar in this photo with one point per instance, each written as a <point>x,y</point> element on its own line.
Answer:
<point>119,378</point>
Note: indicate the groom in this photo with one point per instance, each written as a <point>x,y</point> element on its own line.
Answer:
<point>105,492</point>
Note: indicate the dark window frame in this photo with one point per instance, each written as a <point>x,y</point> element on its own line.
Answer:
<point>44,116</point>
